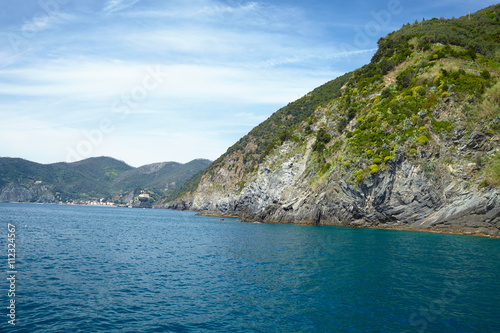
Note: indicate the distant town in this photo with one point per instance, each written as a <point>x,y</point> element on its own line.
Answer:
<point>143,200</point>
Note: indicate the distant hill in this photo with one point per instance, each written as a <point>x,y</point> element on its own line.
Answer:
<point>99,177</point>
<point>159,176</point>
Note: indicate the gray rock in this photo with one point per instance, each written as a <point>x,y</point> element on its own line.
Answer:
<point>401,197</point>
<point>458,135</point>
<point>15,193</point>
<point>475,141</point>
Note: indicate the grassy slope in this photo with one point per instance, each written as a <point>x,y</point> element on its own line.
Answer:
<point>413,97</point>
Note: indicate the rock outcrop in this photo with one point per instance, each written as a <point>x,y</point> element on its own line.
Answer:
<point>402,197</point>
<point>16,193</point>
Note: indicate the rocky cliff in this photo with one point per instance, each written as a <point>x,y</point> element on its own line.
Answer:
<point>16,193</point>
<point>410,140</point>
<point>401,197</point>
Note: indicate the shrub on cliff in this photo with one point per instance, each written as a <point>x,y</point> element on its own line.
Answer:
<point>493,171</point>
<point>322,138</point>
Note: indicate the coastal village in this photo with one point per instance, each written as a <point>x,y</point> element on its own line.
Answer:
<point>143,200</point>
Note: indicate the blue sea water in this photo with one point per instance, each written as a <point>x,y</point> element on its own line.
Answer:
<point>96,269</point>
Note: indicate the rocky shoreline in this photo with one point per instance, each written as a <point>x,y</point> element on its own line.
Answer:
<point>468,233</point>
<point>402,198</point>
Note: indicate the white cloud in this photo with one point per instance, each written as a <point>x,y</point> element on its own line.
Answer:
<point>42,21</point>
<point>90,78</point>
<point>250,116</point>
<point>195,103</point>
<point>250,13</point>
<point>34,139</point>
<point>6,58</point>
<point>107,81</point>
<point>118,5</point>
<point>171,146</point>
<point>228,67</point>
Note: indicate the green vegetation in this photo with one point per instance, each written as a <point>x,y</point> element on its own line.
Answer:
<point>479,35</point>
<point>397,119</point>
<point>422,140</point>
<point>188,186</point>
<point>100,177</point>
<point>487,112</point>
<point>322,138</point>
<point>84,179</point>
<point>492,171</point>
<point>160,177</point>
<point>287,119</point>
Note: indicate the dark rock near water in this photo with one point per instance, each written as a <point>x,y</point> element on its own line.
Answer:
<point>402,197</point>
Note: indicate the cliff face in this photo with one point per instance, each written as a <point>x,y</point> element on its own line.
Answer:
<point>401,197</point>
<point>410,140</point>
<point>16,193</point>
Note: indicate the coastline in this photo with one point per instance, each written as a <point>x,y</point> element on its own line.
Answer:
<point>244,220</point>
<point>395,228</point>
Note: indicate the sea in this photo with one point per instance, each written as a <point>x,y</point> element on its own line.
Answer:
<point>101,269</point>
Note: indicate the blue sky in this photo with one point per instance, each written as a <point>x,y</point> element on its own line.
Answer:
<point>149,81</point>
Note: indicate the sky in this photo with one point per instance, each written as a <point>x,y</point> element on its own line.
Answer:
<point>148,81</point>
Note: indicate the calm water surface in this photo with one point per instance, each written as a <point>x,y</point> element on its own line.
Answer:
<point>94,269</point>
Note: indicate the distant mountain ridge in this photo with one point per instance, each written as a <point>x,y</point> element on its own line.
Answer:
<point>97,177</point>
<point>159,176</point>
